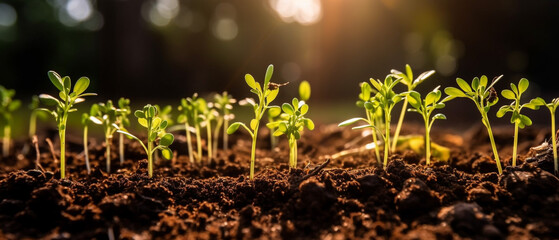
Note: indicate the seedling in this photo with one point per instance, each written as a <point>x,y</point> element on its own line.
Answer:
<point>519,120</point>
<point>164,114</point>
<point>425,107</point>
<point>407,79</point>
<point>86,119</point>
<point>374,114</point>
<point>107,116</point>
<point>7,107</point>
<point>293,126</point>
<point>224,104</point>
<point>64,106</point>
<point>274,115</point>
<point>552,106</point>
<point>187,116</point>
<point>148,118</point>
<point>207,114</point>
<point>123,122</point>
<point>266,94</point>
<point>484,97</point>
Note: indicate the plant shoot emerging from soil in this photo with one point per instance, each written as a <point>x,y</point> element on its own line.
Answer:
<point>86,119</point>
<point>425,107</point>
<point>64,106</point>
<point>484,97</point>
<point>293,126</point>
<point>552,106</point>
<point>207,114</point>
<point>147,117</point>
<point>223,104</point>
<point>123,122</point>
<point>106,115</point>
<point>519,120</point>
<point>266,94</point>
<point>189,115</point>
<point>407,79</point>
<point>7,106</point>
<point>33,106</point>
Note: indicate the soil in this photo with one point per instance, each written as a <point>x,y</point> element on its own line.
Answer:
<point>346,198</point>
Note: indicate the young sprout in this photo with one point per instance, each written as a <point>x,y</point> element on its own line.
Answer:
<point>86,119</point>
<point>7,107</point>
<point>224,104</point>
<point>164,114</point>
<point>552,106</point>
<point>425,107</point>
<point>266,94</point>
<point>519,120</point>
<point>374,114</point>
<point>64,106</point>
<point>33,106</point>
<point>207,114</point>
<point>148,118</point>
<point>196,104</point>
<point>187,116</point>
<point>107,116</point>
<point>484,97</point>
<point>407,79</point>
<point>123,122</point>
<point>293,126</point>
<point>274,115</point>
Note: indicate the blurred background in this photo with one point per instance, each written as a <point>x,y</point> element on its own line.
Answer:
<point>164,50</point>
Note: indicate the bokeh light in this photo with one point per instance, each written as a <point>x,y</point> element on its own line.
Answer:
<point>305,12</point>
<point>8,15</point>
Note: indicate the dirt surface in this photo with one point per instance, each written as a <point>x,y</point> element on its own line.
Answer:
<point>345,198</point>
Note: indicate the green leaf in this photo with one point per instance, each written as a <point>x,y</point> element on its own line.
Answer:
<point>48,100</point>
<point>376,84</point>
<point>365,94</point>
<point>56,80</point>
<point>167,139</point>
<point>151,111</point>
<point>523,86</point>
<point>308,123</point>
<point>454,92</point>
<point>278,133</point>
<point>525,120</point>
<point>305,90</point>
<point>163,124</point>
<point>181,118</point>
<point>508,94</point>
<point>463,85</point>
<point>67,84</point>
<point>15,104</point>
<point>250,81</point>
<point>253,124</point>
<point>81,85</point>
<point>95,120</point>
<point>514,89</point>
<point>155,122</point>
<point>369,105</point>
<point>483,81</point>
<point>62,95</point>
<point>274,111</point>
<point>152,136</point>
<point>273,125</point>
<point>167,153</point>
<point>233,127</point>
<point>439,116</point>
<point>538,101</point>
<point>143,122</point>
<point>350,121</point>
<point>409,72</point>
<point>268,77</point>
<point>287,108</point>
<point>129,135</point>
<point>139,114</point>
<point>362,126</point>
<point>272,95</point>
<point>304,109</point>
<point>430,98</point>
<point>503,110</point>
<point>422,77</point>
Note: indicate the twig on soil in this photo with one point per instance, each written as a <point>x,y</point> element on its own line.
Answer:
<point>51,147</point>
<point>35,142</point>
<point>313,172</point>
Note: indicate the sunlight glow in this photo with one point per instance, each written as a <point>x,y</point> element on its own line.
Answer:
<point>305,12</point>
<point>8,15</point>
<point>79,10</point>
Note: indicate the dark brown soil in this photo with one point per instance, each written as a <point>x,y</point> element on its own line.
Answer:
<point>345,198</point>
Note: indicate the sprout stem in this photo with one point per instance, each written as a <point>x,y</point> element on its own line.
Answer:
<point>62,135</point>
<point>515,144</point>
<point>198,143</point>
<point>253,154</point>
<point>386,137</point>
<point>216,134</point>
<point>86,149</point>
<point>292,152</point>
<point>554,140</point>
<point>209,140</point>
<point>108,153</point>
<point>32,124</point>
<point>189,141</point>
<point>225,135</point>
<point>150,158</point>
<point>427,142</point>
<point>121,148</point>
<point>400,122</point>
<point>493,146</point>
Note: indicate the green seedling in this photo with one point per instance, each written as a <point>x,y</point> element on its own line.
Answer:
<point>148,118</point>
<point>407,79</point>
<point>266,94</point>
<point>385,99</point>
<point>7,106</point>
<point>187,116</point>
<point>484,97</point>
<point>64,106</point>
<point>425,107</point>
<point>197,104</point>
<point>107,116</point>
<point>519,120</point>
<point>164,114</point>
<point>87,118</point>
<point>123,122</point>
<point>33,106</point>
<point>224,104</point>
<point>293,126</point>
<point>552,106</point>
<point>207,114</point>
<point>274,115</point>
<point>374,115</point>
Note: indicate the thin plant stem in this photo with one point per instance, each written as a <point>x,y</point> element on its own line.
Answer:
<point>515,144</point>
<point>493,146</point>
<point>32,124</point>
<point>108,153</point>
<point>554,140</point>
<point>216,134</point>
<point>400,122</point>
<point>150,159</point>
<point>189,142</point>
<point>427,142</point>
<point>86,149</point>
<point>209,140</point>
<point>62,135</point>
<point>386,137</point>
<point>121,148</point>
<point>253,155</point>
<point>199,143</point>
<point>225,135</point>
